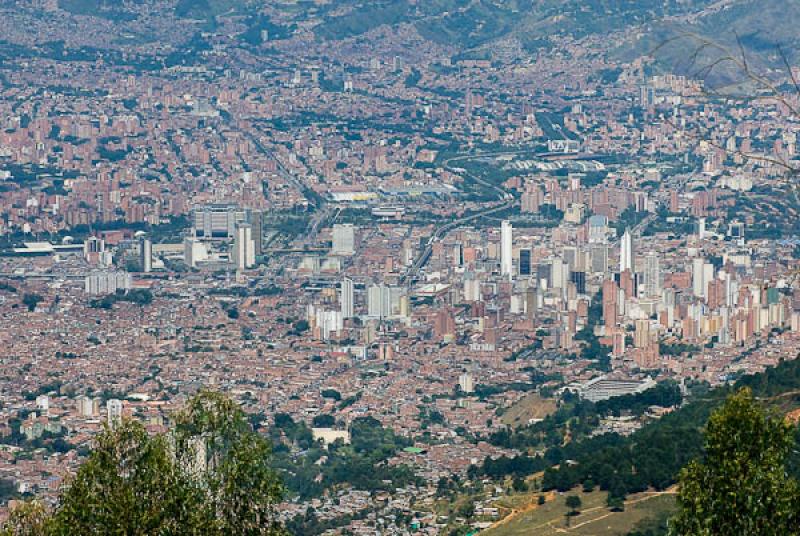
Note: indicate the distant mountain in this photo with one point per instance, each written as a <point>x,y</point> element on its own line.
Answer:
<point>762,29</point>
<point>469,24</point>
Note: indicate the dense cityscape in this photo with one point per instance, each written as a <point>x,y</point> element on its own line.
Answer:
<point>408,261</point>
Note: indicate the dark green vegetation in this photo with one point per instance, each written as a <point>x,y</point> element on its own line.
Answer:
<point>210,475</point>
<point>652,457</point>
<point>360,464</point>
<point>740,485</point>
<point>470,24</point>
<point>137,296</point>
<point>577,418</point>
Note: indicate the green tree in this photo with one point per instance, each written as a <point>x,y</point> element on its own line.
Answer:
<point>231,462</point>
<point>209,476</point>
<point>740,486</point>
<point>31,301</point>
<point>573,502</point>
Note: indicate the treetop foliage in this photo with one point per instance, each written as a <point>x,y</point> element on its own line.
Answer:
<point>210,476</point>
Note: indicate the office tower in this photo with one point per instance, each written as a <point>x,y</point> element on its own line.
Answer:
<point>472,288</point>
<point>458,255</point>
<point>146,255</point>
<point>652,275</point>
<point>626,253</point>
<point>347,298</point>
<point>525,258</point>
<point>378,301</point>
<point>599,253</point>
<point>579,278</point>
<point>701,228</point>
<point>344,239</point>
<point>256,220</point>
<point>698,280</point>
<point>559,273</point>
<point>114,411</point>
<point>217,221</point>
<point>544,275</point>
<point>244,249</point>
<point>570,254</point>
<point>506,245</point>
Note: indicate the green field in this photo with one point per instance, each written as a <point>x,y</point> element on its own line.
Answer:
<point>594,519</point>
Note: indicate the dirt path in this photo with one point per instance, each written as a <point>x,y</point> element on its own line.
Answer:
<point>533,504</point>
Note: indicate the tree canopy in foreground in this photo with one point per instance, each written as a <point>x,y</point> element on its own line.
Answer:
<point>210,475</point>
<point>740,486</point>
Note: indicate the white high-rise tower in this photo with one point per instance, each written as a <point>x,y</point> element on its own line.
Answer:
<point>506,251</point>
<point>244,247</point>
<point>347,298</point>
<point>626,253</point>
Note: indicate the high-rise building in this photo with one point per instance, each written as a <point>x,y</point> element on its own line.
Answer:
<point>458,255</point>
<point>559,273</point>
<point>626,253</point>
<point>256,220</point>
<point>346,298</point>
<point>107,282</point>
<point>379,301</point>
<point>244,248</point>
<point>344,239</point>
<point>506,251</point>
<point>146,255</point>
<point>217,221</point>
<point>525,258</point>
<point>579,278</point>
<point>599,254</point>
<point>698,280</point>
<point>466,383</point>
<point>113,411</point>
<point>652,275</point>
<point>86,406</point>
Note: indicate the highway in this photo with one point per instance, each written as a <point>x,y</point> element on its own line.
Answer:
<point>322,212</point>
<point>507,201</point>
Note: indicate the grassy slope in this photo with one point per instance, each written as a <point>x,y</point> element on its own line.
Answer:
<point>594,519</point>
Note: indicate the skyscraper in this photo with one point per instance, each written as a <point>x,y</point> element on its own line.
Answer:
<point>379,301</point>
<point>626,253</point>
<point>506,252</point>
<point>347,298</point>
<point>256,218</point>
<point>525,262</point>
<point>652,275</point>
<point>599,254</point>
<point>146,255</point>
<point>244,248</point>
<point>344,239</point>
<point>698,280</point>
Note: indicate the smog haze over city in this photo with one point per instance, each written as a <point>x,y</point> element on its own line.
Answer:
<point>399,267</point>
